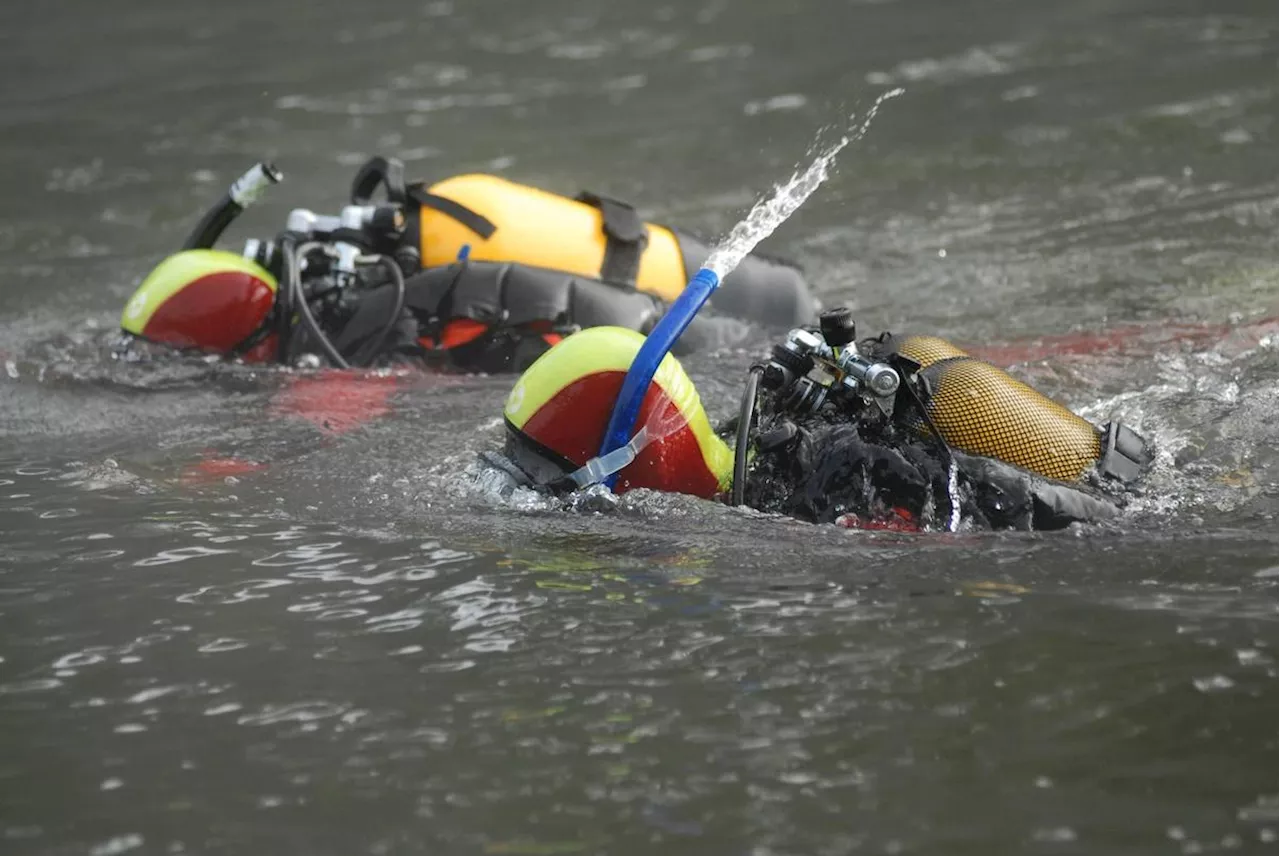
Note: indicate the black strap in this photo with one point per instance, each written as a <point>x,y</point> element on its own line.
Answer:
<point>625,238</point>
<point>508,466</point>
<point>1125,455</point>
<point>379,171</point>
<point>351,236</point>
<point>477,223</point>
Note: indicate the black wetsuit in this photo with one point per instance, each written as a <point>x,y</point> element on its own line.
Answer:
<point>820,466</point>
<point>819,470</point>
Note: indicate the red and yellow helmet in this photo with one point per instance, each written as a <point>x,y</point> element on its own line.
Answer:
<point>557,413</point>
<point>209,300</point>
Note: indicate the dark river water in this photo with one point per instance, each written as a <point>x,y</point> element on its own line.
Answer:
<point>274,612</point>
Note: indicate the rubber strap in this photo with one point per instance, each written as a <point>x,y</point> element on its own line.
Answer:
<point>602,467</point>
<point>625,238</point>
<point>477,223</point>
<point>387,172</point>
<point>351,236</point>
<point>1125,455</point>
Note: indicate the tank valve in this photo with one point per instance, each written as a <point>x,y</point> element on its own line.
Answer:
<point>837,326</point>
<point>792,359</point>
<point>875,381</point>
<point>882,379</point>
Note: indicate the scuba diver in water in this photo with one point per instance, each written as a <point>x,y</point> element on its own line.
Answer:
<point>473,272</point>
<point>892,432</point>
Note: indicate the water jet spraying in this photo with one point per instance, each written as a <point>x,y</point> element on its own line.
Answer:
<point>765,216</point>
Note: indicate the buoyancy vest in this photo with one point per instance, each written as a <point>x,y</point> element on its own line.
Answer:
<point>526,309</point>
<point>505,294</point>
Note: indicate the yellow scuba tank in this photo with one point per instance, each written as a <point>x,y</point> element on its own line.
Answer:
<point>982,410</point>
<point>605,240</point>
<point>490,219</point>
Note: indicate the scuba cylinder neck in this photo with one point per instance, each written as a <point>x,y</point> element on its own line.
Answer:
<point>807,369</point>
<point>1002,437</point>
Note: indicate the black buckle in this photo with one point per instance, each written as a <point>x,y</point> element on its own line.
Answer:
<point>387,173</point>
<point>621,222</point>
<point>626,238</point>
<point>1125,455</point>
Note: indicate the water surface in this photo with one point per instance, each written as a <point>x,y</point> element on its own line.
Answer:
<point>260,611</point>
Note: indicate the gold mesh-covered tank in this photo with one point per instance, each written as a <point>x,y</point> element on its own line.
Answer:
<point>927,350</point>
<point>982,410</point>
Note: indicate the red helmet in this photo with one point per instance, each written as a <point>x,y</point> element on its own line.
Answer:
<point>557,413</point>
<point>210,300</point>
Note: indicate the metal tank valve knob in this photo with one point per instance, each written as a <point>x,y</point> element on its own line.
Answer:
<point>837,326</point>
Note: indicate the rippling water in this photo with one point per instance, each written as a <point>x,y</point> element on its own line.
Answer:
<point>260,611</point>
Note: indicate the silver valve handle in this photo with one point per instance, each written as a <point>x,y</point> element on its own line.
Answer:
<point>867,376</point>
<point>878,379</point>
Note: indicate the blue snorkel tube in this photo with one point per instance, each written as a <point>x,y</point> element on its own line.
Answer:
<point>759,223</point>
<point>655,348</point>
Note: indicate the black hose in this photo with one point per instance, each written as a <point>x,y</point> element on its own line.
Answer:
<point>300,303</point>
<point>214,222</point>
<point>284,298</point>
<point>942,441</point>
<point>928,421</point>
<point>242,193</point>
<point>746,415</point>
<point>370,350</point>
<point>387,173</point>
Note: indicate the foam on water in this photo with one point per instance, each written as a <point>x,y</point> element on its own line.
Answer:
<point>769,213</point>
<point>953,495</point>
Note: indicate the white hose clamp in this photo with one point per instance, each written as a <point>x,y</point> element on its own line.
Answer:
<point>248,188</point>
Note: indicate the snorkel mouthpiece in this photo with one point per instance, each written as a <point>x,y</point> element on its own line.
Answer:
<point>248,188</point>
<point>243,192</point>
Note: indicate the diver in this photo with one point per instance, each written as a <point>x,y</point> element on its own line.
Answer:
<point>890,432</point>
<point>474,272</point>
<point>445,317</point>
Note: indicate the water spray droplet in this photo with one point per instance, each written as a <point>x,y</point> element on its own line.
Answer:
<point>953,496</point>
<point>769,213</point>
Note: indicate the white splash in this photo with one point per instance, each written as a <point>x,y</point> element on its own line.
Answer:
<point>768,214</point>
<point>953,495</point>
